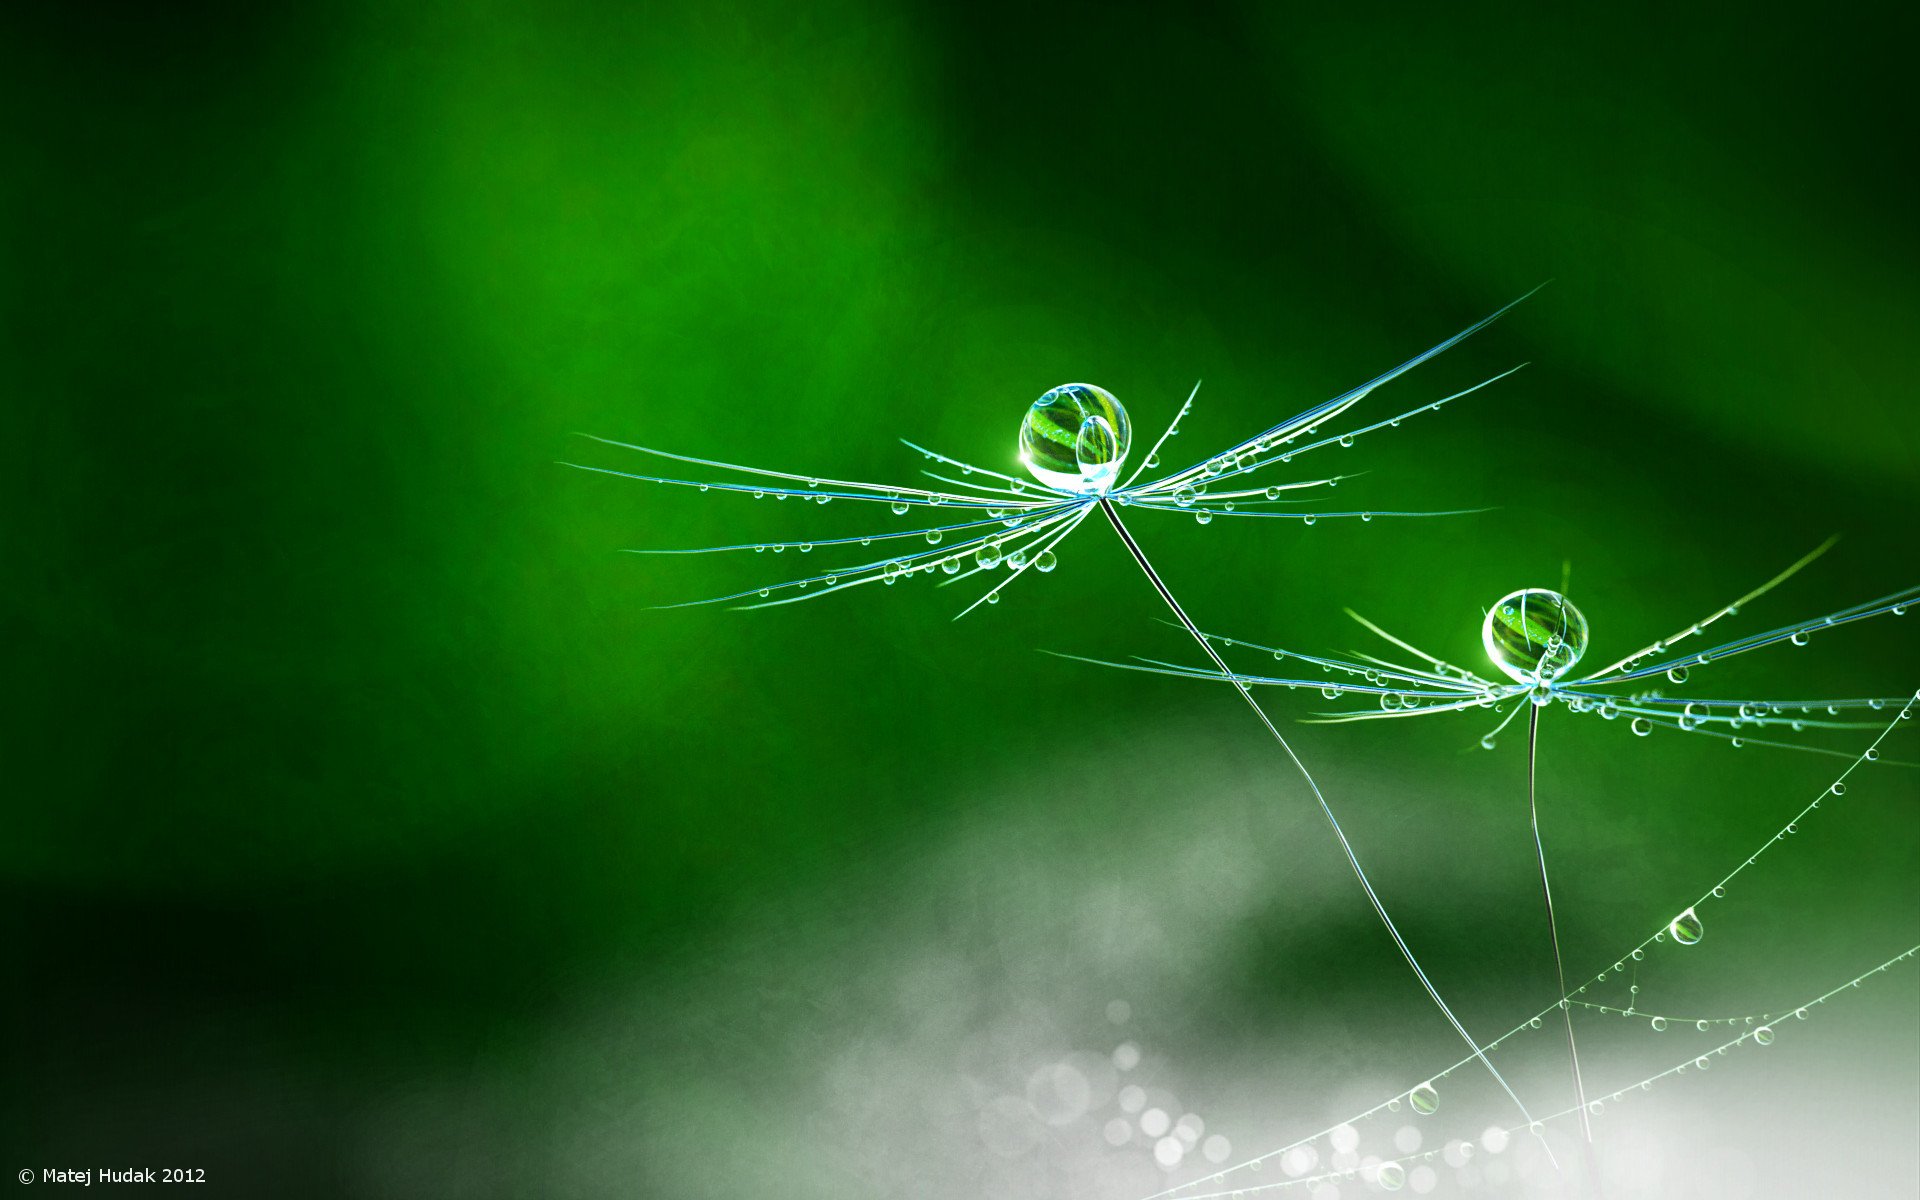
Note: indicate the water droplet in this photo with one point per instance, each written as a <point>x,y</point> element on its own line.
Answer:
<point>1641,727</point>
<point>1763,1036</point>
<point>1075,438</point>
<point>1638,955</point>
<point>933,537</point>
<point>1686,928</point>
<point>1331,693</point>
<point>703,487</point>
<point>1045,561</point>
<point>1677,674</point>
<point>806,547</point>
<point>1184,497</point>
<point>1659,1024</point>
<point>1800,1014</point>
<point>1346,440</point>
<point>758,494</point>
<point>1486,743</point>
<point>1799,638</point>
<point>898,506</point>
<point>1534,635</point>
<point>764,592</point>
<point>950,566</point>
<point>1838,788</point>
<point>1017,560</point>
<point>1308,519</point>
<point>1872,755</point>
<point>993,597</point>
<point>1366,516</point>
<point>1424,1100</point>
<point>1203,517</point>
<point>1719,892</point>
<point>1535,1023</point>
<point>1393,1176</point>
<point>1703,1062</point>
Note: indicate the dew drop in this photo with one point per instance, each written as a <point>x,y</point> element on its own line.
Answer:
<point>898,506</point>
<point>764,592</point>
<point>1800,1014</point>
<point>1424,1100</point>
<point>1366,516</point>
<point>1838,788</point>
<point>1686,928</point>
<point>1872,755</point>
<point>1535,1023</point>
<point>1534,635</point>
<point>1392,1176</point>
<point>1799,638</point>
<point>1700,1025</point>
<point>1017,560</point>
<point>1346,440</point>
<point>1203,517</point>
<point>1659,1024</point>
<point>1719,892</point>
<point>950,566</point>
<point>1641,727</point>
<point>1075,438</point>
<point>1308,519</point>
<point>1703,1062</point>
<point>1763,1036</point>
<point>1184,497</point>
<point>1045,561</point>
<point>1486,743</point>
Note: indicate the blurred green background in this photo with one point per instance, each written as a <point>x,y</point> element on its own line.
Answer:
<point>368,833</point>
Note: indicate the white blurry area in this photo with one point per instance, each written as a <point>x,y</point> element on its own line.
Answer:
<point>1052,1002</point>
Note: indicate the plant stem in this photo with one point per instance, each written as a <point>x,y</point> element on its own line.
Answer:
<point>1353,860</point>
<point>1553,928</point>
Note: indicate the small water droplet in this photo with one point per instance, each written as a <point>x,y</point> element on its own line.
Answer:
<point>1203,517</point>
<point>950,566</point>
<point>1424,1100</point>
<point>1346,440</point>
<point>1763,1036</point>
<point>1273,493</point>
<point>1799,638</point>
<point>1392,1176</point>
<point>1872,755</point>
<point>1838,788</point>
<point>764,592</point>
<point>933,537</point>
<point>1486,743</point>
<point>898,506</point>
<point>1184,497</point>
<point>1366,516</point>
<point>1719,892</point>
<point>1800,1014</point>
<point>1641,727</point>
<point>1535,1023</point>
<point>1308,519</point>
<point>758,494</point>
<point>1703,1062</point>
<point>1045,561</point>
<point>1659,1024</point>
<point>1677,674</point>
<point>1686,928</point>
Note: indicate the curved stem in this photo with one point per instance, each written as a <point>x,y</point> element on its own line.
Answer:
<point>1346,847</point>
<point>1553,929</point>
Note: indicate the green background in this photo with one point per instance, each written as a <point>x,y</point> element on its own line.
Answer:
<point>368,834</point>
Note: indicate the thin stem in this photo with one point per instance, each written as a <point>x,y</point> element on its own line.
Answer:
<point>1326,810</point>
<point>1553,929</point>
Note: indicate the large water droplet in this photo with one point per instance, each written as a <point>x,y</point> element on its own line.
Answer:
<point>1075,438</point>
<point>1393,1177</point>
<point>1641,727</point>
<point>1677,674</point>
<point>1686,928</point>
<point>1424,1100</point>
<point>1534,635</point>
<point>1045,561</point>
<point>1763,1036</point>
